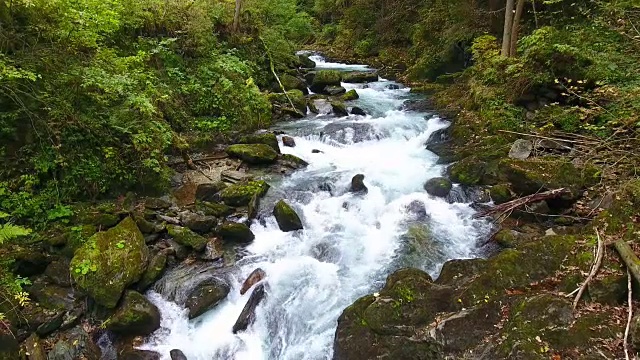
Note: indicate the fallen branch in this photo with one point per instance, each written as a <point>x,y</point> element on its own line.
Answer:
<point>273,71</point>
<point>629,258</point>
<point>629,316</point>
<point>594,270</point>
<point>545,137</point>
<point>206,158</point>
<point>514,204</point>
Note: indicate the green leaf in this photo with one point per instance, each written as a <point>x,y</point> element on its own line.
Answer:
<point>10,232</point>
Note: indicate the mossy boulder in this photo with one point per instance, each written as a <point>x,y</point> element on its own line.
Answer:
<point>324,78</point>
<point>241,194</point>
<point>205,297</point>
<point>439,186</point>
<point>294,161</point>
<point>609,290</point>
<point>184,236</point>
<point>110,261</point>
<point>156,266</point>
<point>199,223</point>
<point>360,77</point>
<point>500,193</point>
<point>339,108</point>
<point>335,90</point>
<point>236,232</point>
<point>474,170</point>
<point>305,62</point>
<point>255,154</point>
<point>291,82</point>
<point>136,316</point>
<point>350,95</point>
<point>297,98</point>
<point>214,209</point>
<point>266,139</point>
<point>287,218</point>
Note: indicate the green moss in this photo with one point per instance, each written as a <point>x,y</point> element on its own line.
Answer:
<point>266,139</point>
<point>240,194</point>
<point>214,209</point>
<point>186,237</point>
<point>327,78</point>
<point>500,193</point>
<point>257,154</point>
<point>292,83</point>
<point>350,95</point>
<point>156,266</point>
<point>294,160</point>
<point>287,218</point>
<point>136,316</point>
<point>235,232</point>
<point>109,262</point>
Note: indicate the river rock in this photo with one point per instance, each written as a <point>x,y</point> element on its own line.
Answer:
<point>500,193</point>
<point>186,237</point>
<point>109,262</point>
<point>350,95</point>
<point>417,210</point>
<point>324,78</point>
<point>214,209</point>
<point>73,345</point>
<point>305,62</point>
<point>293,161</point>
<point>29,260</point>
<point>248,314</point>
<point>290,82</point>
<point>157,203</point>
<point>205,296</point>
<point>521,149</point>
<point>208,191</point>
<point>288,141</point>
<point>242,193</point>
<point>255,154</point>
<point>357,185</point>
<point>357,111</point>
<point>334,90</point>
<point>156,267</point>
<point>439,186</point>
<point>213,250</point>
<point>177,355</point>
<point>136,316</point>
<point>133,354</point>
<point>316,151</point>
<point>236,232</point>
<point>255,277</point>
<point>360,77</point>
<point>287,218</point>
<point>199,223</point>
<point>308,77</point>
<point>264,138</point>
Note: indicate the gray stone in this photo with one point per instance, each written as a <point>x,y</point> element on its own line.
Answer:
<point>521,149</point>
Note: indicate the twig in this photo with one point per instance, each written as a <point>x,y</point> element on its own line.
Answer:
<point>544,137</point>
<point>514,204</point>
<point>594,270</point>
<point>629,317</point>
<point>206,158</point>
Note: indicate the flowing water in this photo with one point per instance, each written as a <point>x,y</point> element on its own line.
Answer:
<point>350,242</point>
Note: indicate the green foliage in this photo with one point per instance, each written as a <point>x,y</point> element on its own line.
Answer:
<point>9,232</point>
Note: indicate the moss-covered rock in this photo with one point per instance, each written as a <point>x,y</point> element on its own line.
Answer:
<point>241,194</point>
<point>266,139</point>
<point>305,62</point>
<point>136,316</point>
<point>199,223</point>
<point>156,266</point>
<point>339,108</point>
<point>474,170</point>
<point>500,193</point>
<point>256,154</point>
<point>287,218</point>
<point>109,262</point>
<point>438,186</point>
<point>294,161</point>
<point>335,90</point>
<point>186,237</point>
<point>609,290</point>
<point>208,191</point>
<point>350,95</point>
<point>324,78</point>
<point>236,232</point>
<point>214,209</point>
<point>360,77</point>
<point>291,82</point>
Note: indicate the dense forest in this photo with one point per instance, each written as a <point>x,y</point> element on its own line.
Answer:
<point>96,95</point>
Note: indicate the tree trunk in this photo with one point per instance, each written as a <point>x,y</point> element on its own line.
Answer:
<point>516,27</point>
<point>236,15</point>
<point>508,27</point>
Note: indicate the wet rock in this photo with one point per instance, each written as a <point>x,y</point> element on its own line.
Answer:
<point>293,161</point>
<point>316,151</point>
<point>500,193</point>
<point>255,154</point>
<point>439,186</point>
<point>357,185</point>
<point>392,87</point>
<point>136,316</point>
<point>236,232</point>
<point>214,209</point>
<point>248,314</point>
<point>186,237</point>
<point>241,194</point>
<point>157,203</point>
<point>155,269</point>
<point>322,106</point>
<point>609,290</point>
<point>58,272</point>
<point>308,77</point>
<point>335,90</point>
<point>177,355</point>
<point>324,78</point>
<point>417,210</point>
<point>199,223</point>
<point>146,226</point>
<point>109,262</point>
<point>180,251</point>
<point>73,345</point>
<point>213,250</point>
<point>350,132</point>
<point>421,247</point>
<point>33,348</point>
<point>521,149</point>
<point>288,141</point>
<point>339,109</point>
<point>264,138</point>
<point>290,82</point>
<point>253,207</point>
<point>287,218</point>
<point>133,354</point>
<point>208,191</point>
<point>305,62</point>
<point>358,111</point>
<point>350,95</point>
<point>205,296</point>
<point>255,277</point>
<point>360,77</point>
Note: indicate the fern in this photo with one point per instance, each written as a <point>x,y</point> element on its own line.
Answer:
<point>10,231</point>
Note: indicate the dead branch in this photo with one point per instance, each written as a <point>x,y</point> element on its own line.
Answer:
<point>206,158</point>
<point>514,204</point>
<point>545,137</point>
<point>629,316</point>
<point>594,270</point>
<point>629,258</point>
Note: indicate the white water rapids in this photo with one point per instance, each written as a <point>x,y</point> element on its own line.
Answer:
<point>349,244</point>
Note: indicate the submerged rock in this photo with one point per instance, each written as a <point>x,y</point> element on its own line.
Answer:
<point>357,185</point>
<point>242,193</point>
<point>136,316</point>
<point>236,232</point>
<point>255,277</point>
<point>248,314</point>
<point>205,296</point>
<point>186,237</point>
<point>287,218</point>
<point>357,111</point>
<point>439,186</point>
<point>255,154</point>
<point>109,262</point>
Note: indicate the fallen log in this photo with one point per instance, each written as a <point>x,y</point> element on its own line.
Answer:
<point>514,204</point>
<point>629,258</point>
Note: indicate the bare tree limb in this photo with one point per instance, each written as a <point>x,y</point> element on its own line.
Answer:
<point>594,270</point>
<point>629,258</point>
<point>514,204</point>
<point>629,316</point>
